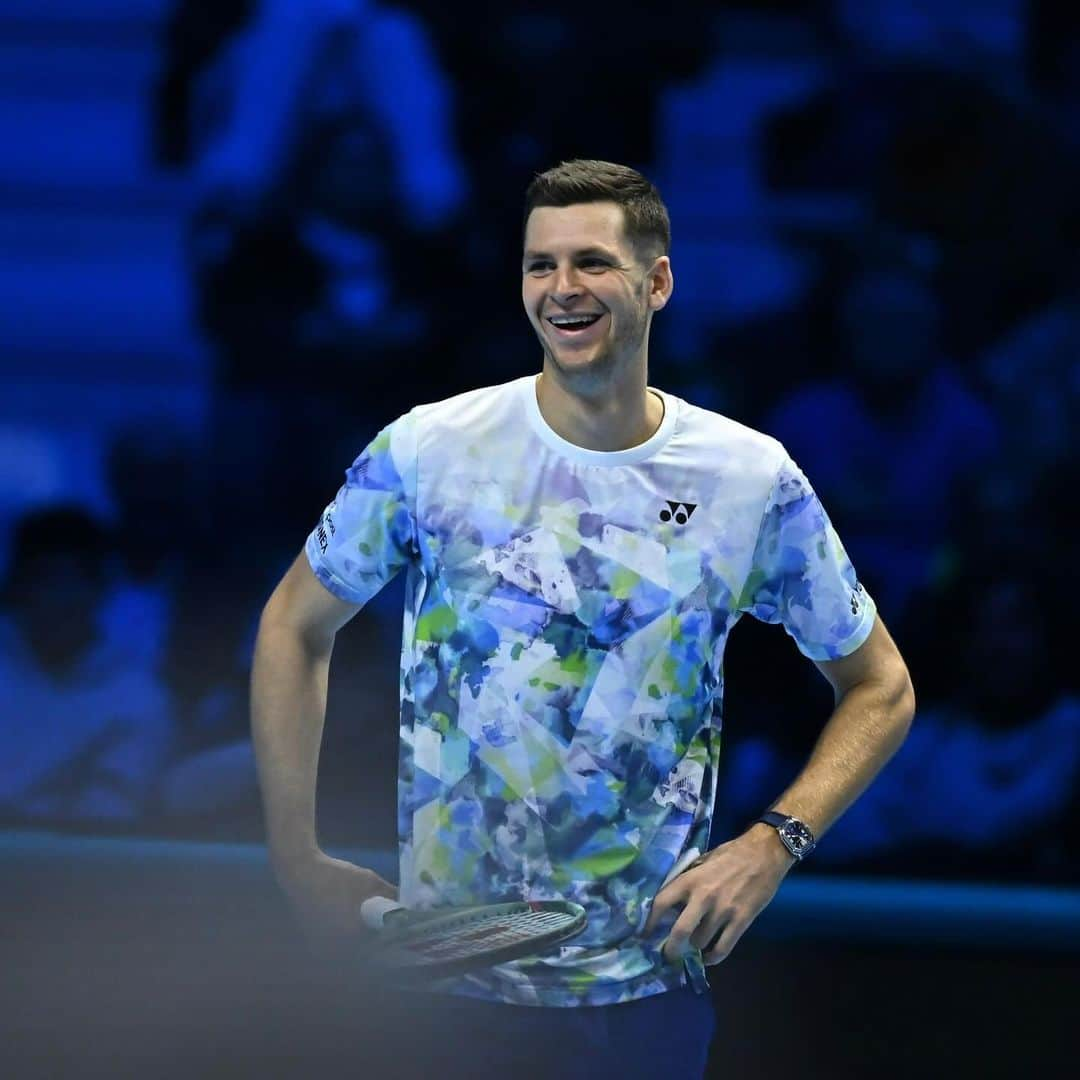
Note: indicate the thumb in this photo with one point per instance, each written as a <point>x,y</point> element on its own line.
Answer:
<point>385,888</point>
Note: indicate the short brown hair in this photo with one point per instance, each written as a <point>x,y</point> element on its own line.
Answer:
<point>648,226</point>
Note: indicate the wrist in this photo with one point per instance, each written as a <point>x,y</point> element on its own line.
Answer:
<point>768,839</point>
<point>794,835</point>
<point>293,862</point>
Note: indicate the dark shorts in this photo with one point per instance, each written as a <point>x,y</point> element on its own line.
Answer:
<point>666,1035</point>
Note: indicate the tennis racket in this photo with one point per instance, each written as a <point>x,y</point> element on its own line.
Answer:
<point>443,942</point>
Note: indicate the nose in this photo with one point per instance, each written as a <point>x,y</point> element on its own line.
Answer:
<point>565,284</point>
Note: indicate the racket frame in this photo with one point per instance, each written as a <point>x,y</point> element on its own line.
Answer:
<point>392,953</point>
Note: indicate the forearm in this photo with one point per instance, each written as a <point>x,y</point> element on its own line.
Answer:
<point>866,728</point>
<point>288,709</point>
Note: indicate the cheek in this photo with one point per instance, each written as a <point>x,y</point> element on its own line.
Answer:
<point>628,315</point>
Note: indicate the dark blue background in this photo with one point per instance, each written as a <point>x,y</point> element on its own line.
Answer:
<point>236,239</point>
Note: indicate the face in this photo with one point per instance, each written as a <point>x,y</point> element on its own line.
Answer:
<point>588,297</point>
<point>58,614</point>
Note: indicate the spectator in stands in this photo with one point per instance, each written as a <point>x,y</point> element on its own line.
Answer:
<point>974,175</point>
<point>86,732</point>
<point>889,441</point>
<point>328,121</point>
<point>321,149</point>
<point>317,133</point>
<point>168,605</point>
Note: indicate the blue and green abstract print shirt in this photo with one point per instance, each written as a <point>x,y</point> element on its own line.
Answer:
<point>562,657</point>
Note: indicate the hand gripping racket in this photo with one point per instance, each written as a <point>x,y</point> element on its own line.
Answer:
<point>451,941</point>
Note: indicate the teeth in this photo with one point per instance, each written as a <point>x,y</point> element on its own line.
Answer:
<point>573,320</point>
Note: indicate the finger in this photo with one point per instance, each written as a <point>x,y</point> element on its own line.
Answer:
<point>678,941</point>
<point>386,889</point>
<point>670,898</point>
<point>720,948</point>
<point>660,905</point>
<point>708,934</point>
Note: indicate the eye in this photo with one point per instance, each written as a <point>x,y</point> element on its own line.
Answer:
<point>538,268</point>
<point>593,264</point>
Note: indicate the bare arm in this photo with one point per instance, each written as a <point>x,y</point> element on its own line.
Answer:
<point>875,704</point>
<point>288,709</point>
<point>288,704</point>
<point>723,892</point>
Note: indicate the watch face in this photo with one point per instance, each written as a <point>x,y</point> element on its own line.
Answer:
<point>797,836</point>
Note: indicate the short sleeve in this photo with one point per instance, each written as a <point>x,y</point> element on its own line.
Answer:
<point>801,576</point>
<point>368,533</point>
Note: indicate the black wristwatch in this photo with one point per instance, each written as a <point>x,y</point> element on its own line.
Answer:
<point>795,834</point>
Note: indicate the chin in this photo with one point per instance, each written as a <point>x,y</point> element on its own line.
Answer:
<point>593,364</point>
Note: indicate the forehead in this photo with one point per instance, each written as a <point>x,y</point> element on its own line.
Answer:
<point>559,229</point>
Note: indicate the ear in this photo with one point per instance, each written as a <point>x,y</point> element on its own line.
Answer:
<point>661,283</point>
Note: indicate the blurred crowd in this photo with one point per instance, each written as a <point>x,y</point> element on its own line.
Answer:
<point>358,170</point>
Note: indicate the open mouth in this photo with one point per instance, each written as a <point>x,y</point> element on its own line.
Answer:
<point>572,325</point>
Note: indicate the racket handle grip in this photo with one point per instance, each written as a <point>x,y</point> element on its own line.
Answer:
<point>375,908</point>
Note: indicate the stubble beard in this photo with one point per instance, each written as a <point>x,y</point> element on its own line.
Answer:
<point>610,359</point>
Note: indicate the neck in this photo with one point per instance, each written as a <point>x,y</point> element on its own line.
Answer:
<point>617,416</point>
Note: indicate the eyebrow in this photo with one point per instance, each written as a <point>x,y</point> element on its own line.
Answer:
<point>580,254</point>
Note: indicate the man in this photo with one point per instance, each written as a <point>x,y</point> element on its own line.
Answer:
<point>578,546</point>
<point>86,726</point>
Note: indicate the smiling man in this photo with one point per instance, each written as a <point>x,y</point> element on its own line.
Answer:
<point>578,547</point>
<point>593,274</point>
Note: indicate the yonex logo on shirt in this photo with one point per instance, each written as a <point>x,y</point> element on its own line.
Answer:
<point>680,511</point>
<point>321,531</point>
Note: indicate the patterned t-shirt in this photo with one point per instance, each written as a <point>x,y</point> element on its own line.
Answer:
<point>566,612</point>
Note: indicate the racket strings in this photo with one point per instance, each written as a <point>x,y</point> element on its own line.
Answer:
<point>485,934</point>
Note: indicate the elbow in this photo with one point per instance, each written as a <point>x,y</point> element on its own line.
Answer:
<point>282,625</point>
<point>909,693</point>
<point>904,699</point>
<point>895,700</point>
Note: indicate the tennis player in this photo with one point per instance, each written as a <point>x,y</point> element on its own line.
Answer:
<point>577,546</point>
